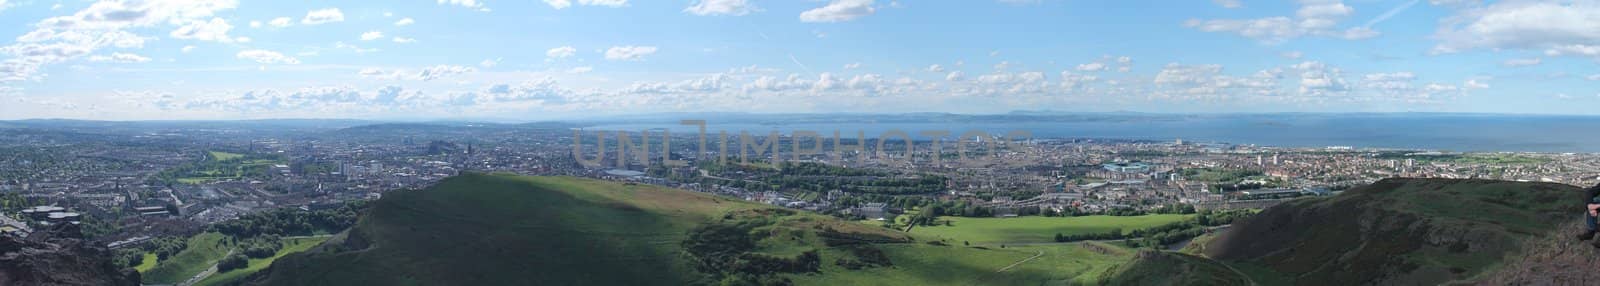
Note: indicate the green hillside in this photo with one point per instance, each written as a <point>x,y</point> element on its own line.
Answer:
<point>1033,229</point>
<point>1396,231</point>
<point>513,230</point>
<point>1168,268</point>
<point>202,251</point>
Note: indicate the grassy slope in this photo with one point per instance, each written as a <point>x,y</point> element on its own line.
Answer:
<point>147,262</point>
<point>1169,268</point>
<point>1397,231</point>
<point>512,230</point>
<point>922,264</point>
<point>1035,228</point>
<point>502,229</point>
<point>292,245</point>
<point>202,251</point>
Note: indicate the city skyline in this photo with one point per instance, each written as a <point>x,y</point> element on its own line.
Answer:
<point>540,60</point>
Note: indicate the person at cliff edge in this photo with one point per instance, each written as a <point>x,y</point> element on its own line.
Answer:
<point>1591,199</point>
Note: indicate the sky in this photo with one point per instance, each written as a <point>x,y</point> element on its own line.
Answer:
<point>560,59</point>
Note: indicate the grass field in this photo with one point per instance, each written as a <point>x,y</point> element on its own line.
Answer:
<point>224,156</point>
<point>504,229</point>
<point>479,229</point>
<point>202,251</point>
<point>922,264</point>
<point>292,245</point>
<point>146,263</point>
<point>1035,228</point>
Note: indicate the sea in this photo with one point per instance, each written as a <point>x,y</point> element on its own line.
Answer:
<point>1450,133</point>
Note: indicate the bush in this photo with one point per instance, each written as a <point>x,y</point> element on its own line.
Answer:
<point>235,261</point>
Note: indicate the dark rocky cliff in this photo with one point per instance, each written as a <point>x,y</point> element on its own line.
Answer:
<point>59,257</point>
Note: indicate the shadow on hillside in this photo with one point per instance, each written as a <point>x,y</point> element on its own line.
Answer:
<point>1554,259</point>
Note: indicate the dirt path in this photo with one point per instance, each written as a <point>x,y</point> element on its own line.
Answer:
<point>979,280</point>
<point>203,274</point>
<point>1008,267</point>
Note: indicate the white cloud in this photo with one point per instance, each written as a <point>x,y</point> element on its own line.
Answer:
<point>935,68</point>
<point>187,49</point>
<point>281,22</point>
<point>321,16</point>
<point>558,4</point>
<point>955,76</point>
<point>255,24</point>
<point>120,58</point>
<point>1293,55</point>
<point>403,40</point>
<point>721,7</point>
<point>578,70</point>
<point>423,74</point>
<point>1594,77</point>
<point>371,35</point>
<point>629,53</point>
<point>1522,62</point>
<point>839,11</point>
<point>1318,79</point>
<point>1314,18</point>
<point>104,24</point>
<point>266,57</point>
<point>561,52</point>
<point>489,63</point>
<point>851,66</point>
<point>1092,67</point>
<point>563,4</point>
<point>441,71</point>
<point>214,30</point>
<point>1230,4</point>
<point>353,48</point>
<point>405,22</point>
<point>1556,27</point>
<point>1475,84</point>
<point>467,3</point>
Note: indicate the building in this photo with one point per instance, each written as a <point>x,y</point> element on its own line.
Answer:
<point>873,211</point>
<point>1135,167</point>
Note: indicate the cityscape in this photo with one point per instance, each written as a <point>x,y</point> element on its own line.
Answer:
<point>821,142</point>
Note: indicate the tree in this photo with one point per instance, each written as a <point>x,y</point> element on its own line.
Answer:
<point>234,261</point>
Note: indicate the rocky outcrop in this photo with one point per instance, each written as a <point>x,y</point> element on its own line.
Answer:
<point>1554,259</point>
<point>1398,231</point>
<point>59,257</point>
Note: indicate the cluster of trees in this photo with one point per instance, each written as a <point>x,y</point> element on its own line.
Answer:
<point>1175,209</point>
<point>163,247</point>
<point>1218,175</point>
<point>1167,233</point>
<point>233,261</point>
<point>292,222</point>
<point>819,169</point>
<point>1115,233</point>
<point>14,202</point>
<point>261,246</point>
<point>724,251</point>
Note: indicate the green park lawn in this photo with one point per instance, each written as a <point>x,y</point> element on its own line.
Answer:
<point>224,156</point>
<point>1032,229</point>
<point>291,245</point>
<point>201,252</point>
<point>146,263</point>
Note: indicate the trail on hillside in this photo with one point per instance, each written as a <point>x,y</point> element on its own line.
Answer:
<point>1557,258</point>
<point>204,274</point>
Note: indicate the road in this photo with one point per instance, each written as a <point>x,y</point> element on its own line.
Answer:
<point>204,274</point>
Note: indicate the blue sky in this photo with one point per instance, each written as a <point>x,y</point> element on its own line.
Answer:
<point>548,59</point>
